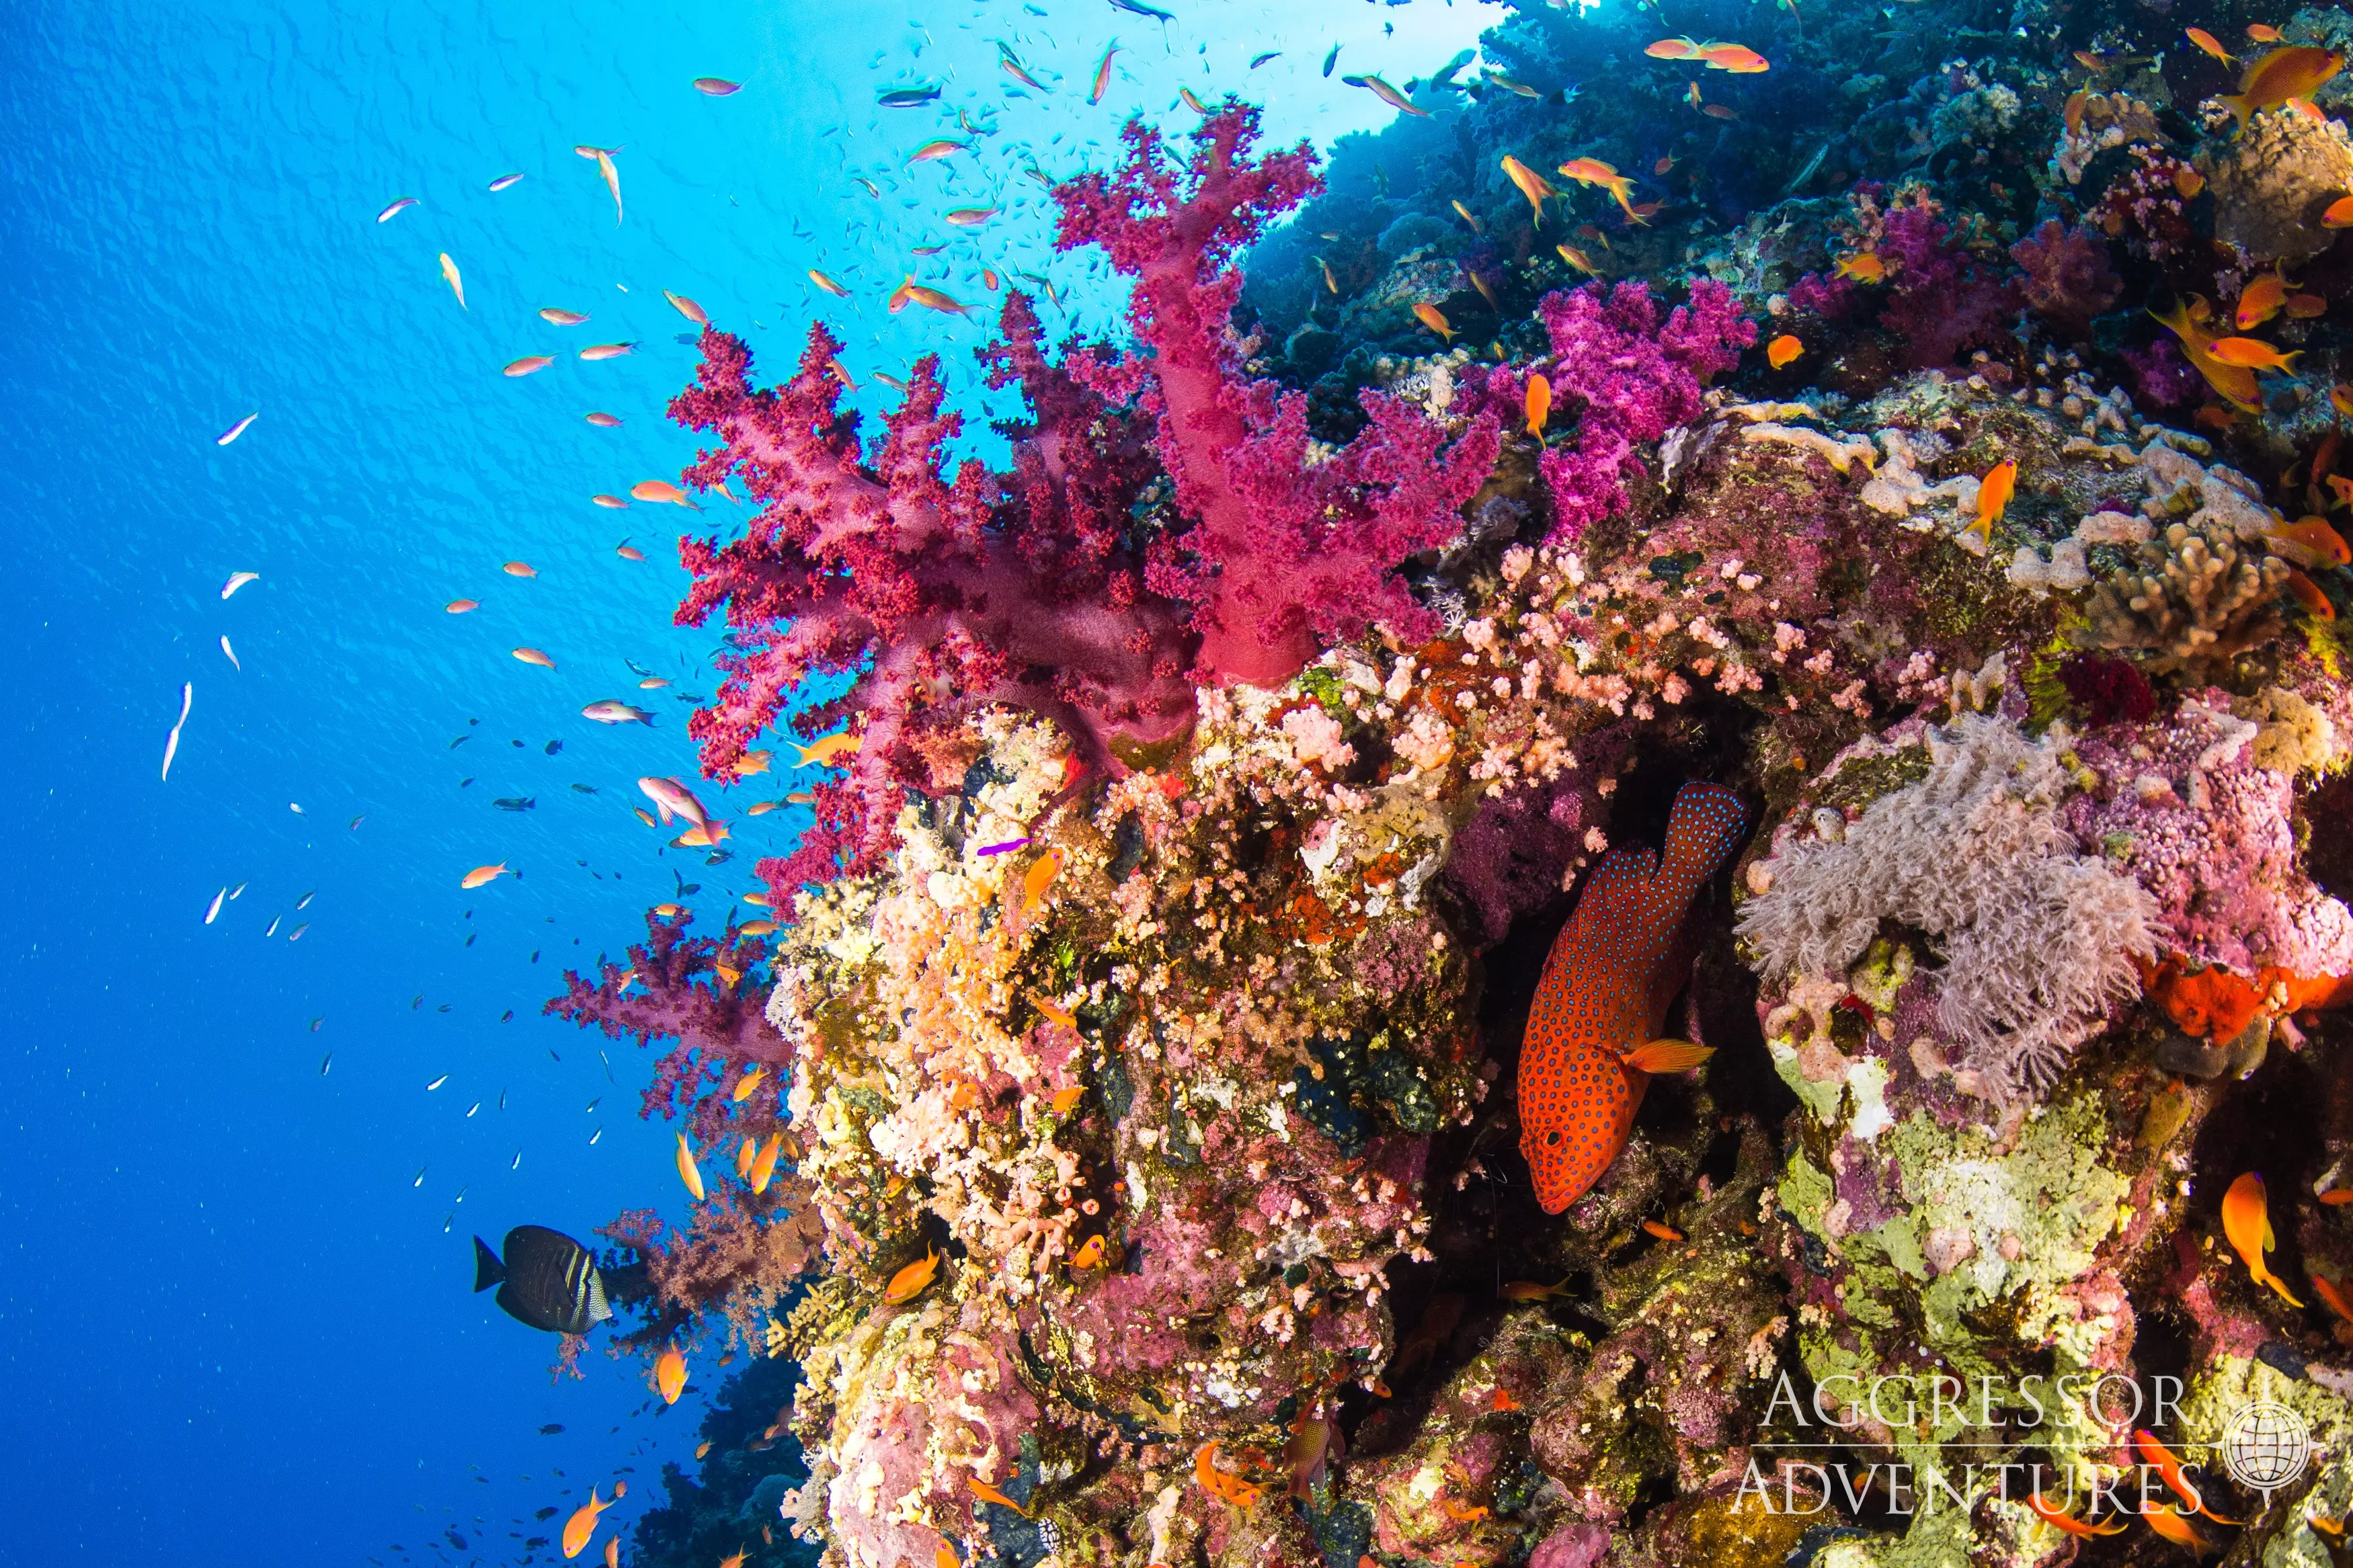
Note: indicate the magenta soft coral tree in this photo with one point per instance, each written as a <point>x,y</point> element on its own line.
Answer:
<point>936,594</point>
<point>1628,378</point>
<point>1031,589</point>
<point>1288,556</point>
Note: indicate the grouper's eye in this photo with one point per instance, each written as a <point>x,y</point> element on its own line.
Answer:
<point>1552,1139</point>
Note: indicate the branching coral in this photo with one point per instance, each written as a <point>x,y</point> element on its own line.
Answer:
<point>2039,940</point>
<point>2197,599</point>
<point>1285,555</point>
<point>740,1254</point>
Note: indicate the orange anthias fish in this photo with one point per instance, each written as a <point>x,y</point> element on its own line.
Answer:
<point>669,1374</point>
<point>518,569</point>
<point>1783,351</point>
<point>1221,1484</point>
<point>1663,1232</point>
<point>2334,1294</point>
<point>2167,1465</point>
<point>661,490</point>
<point>613,1547</point>
<point>1863,267</point>
<point>2259,300</point>
<point>459,606</point>
<point>1994,491</point>
<point>2060,1520</point>
<point>2210,44</point>
<point>483,874</point>
<point>2299,71</point>
<point>2235,382</point>
<point>841,743</point>
<point>1539,404</point>
<point>1039,878</point>
<point>912,1280</point>
<point>583,1525</point>
<point>2252,354</point>
<point>2264,33</point>
<point>534,656</point>
<point>1433,318</point>
<point>1530,1291</point>
<point>1737,58</point>
<point>1090,1255</point>
<point>1594,171</point>
<point>764,1163</point>
<point>2338,213</point>
<point>2247,1223</point>
<point>1533,186</point>
<point>1578,257</point>
<point>749,1084</point>
<point>688,1171</point>
<point>1592,1040</point>
<point>988,1493</point>
<point>530,365</point>
<point>2309,543</point>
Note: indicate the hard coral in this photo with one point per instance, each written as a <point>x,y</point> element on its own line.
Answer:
<point>1628,378</point>
<point>1285,555</point>
<point>937,596</point>
<point>2196,600</point>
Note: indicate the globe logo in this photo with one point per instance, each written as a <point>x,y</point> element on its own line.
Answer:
<point>2265,1445</point>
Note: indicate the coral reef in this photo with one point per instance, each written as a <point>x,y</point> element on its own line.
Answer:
<point>1142,1025</point>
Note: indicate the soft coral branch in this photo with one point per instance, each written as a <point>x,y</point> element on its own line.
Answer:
<point>935,595</point>
<point>701,991</point>
<point>1285,555</point>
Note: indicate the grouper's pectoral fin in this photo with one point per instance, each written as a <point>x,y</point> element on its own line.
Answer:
<point>1667,1056</point>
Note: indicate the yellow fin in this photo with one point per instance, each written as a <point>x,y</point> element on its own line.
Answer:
<point>1668,1055</point>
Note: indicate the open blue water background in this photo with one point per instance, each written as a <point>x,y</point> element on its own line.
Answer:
<point>236,1326</point>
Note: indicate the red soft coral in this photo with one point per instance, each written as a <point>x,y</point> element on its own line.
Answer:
<point>1286,555</point>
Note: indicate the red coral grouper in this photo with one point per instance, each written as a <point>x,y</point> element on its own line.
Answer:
<point>1592,1040</point>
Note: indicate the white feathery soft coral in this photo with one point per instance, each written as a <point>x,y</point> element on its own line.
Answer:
<point>2039,940</point>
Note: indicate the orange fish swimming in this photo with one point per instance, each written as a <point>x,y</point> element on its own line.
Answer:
<point>669,1374</point>
<point>583,1525</point>
<point>2058,1518</point>
<point>1592,1040</point>
<point>688,1171</point>
<point>1539,404</point>
<point>912,1280</point>
<point>1993,498</point>
<point>1863,267</point>
<point>2259,300</point>
<point>2188,321</point>
<point>2247,1223</point>
<point>988,1493</point>
<point>2210,44</point>
<point>1221,1484</point>
<point>1433,318</point>
<point>2167,1465</point>
<point>764,1163</point>
<point>2298,70</point>
<point>1783,351</point>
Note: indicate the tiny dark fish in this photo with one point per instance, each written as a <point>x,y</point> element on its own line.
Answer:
<point>1257,60</point>
<point>551,1429</point>
<point>1138,8</point>
<point>585,789</point>
<point>546,1513</point>
<point>459,741</point>
<point>552,747</point>
<point>1330,59</point>
<point>469,942</point>
<point>323,1061</point>
<point>316,1024</point>
<point>516,803</point>
<point>418,1001</point>
<point>445,1007</point>
<point>547,1280</point>
<point>906,97</point>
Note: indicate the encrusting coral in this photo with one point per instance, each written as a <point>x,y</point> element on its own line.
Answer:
<point>1134,1047</point>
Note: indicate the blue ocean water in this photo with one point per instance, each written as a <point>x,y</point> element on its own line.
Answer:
<point>233,1283</point>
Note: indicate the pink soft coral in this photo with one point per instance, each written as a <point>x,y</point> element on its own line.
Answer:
<point>1628,380</point>
<point>935,594</point>
<point>1286,556</point>
<point>701,991</point>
